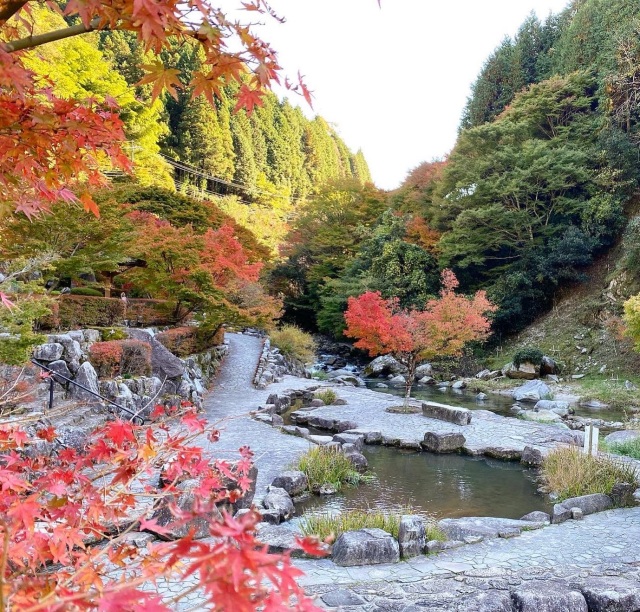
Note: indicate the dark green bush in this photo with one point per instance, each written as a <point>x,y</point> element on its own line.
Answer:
<point>529,354</point>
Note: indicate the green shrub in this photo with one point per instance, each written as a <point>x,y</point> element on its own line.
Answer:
<point>528,354</point>
<point>87,291</point>
<point>294,343</point>
<point>328,396</point>
<point>112,333</point>
<point>327,465</point>
<point>569,472</point>
<point>630,448</point>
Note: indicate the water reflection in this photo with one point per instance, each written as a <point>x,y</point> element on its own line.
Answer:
<point>439,485</point>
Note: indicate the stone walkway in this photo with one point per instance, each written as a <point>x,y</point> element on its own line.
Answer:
<point>474,578</point>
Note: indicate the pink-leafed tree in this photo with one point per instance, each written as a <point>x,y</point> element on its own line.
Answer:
<point>443,328</point>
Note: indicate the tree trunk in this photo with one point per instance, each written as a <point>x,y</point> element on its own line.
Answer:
<point>412,362</point>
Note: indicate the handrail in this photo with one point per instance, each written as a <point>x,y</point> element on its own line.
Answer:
<point>134,415</point>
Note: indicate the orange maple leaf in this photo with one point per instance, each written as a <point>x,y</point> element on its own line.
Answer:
<point>162,78</point>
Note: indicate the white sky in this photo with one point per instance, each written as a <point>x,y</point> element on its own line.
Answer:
<point>393,80</point>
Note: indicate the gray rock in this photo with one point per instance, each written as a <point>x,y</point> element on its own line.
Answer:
<point>532,455</point>
<point>277,420</point>
<point>612,595</point>
<point>561,513</point>
<point>91,336</point>
<point>73,437</point>
<point>540,416</point>
<point>398,381</point>
<point>619,437</point>
<point>487,601</point>
<point>537,517</point>
<point>60,367</point>
<point>342,597</point>
<point>383,365</point>
<point>365,547</point>
<point>72,350</point>
<point>359,461</point>
<point>560,408</point>
<point>548,597</point>
<point>596,502</point>
<point>487,527</point>
<point>532,391</point>
<point>443,412</point>
<point>52,351</point>
<point>525,371</point>
<point>577,514</point>
<point>411,536</point>
<point>278,499</point>
<point>87,377</point>
<point>481,397</point>
<point>424,370</point>
<point>381,386</point>
<point>548,366</point>
<point>442,442</point>
<point>317,403</point>
<point>292,481</point>
<point>270,516</point>
<point>349,438</point>
<point>327,489</point>
<point>427,380</point>
<point>370,436</point>
<point>185,500</point>
<point>459,384</point>
<point>340,401</point>
<point>622,494</point>
<point>320,440</point>
<point>164,363</point>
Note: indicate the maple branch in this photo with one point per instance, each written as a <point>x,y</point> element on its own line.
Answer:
<point>10,9</point>
<point>29,42</point>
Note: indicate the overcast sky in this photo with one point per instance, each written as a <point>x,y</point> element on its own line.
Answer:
<point>394,79</point>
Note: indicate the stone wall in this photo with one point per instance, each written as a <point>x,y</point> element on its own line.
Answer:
<point>273,365</point>
<point>172,379</point>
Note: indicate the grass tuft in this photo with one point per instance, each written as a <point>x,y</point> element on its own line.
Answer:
<point>333,525</point>
<point>570,473</point>
<point>630,448</point>
<point>328,465</point>
<point>328,396</point>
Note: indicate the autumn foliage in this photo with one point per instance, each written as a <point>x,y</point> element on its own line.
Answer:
<point>442,329</point>
<point>58,501</point>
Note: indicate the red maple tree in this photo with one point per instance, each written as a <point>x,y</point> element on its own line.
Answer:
<point>442,329</point>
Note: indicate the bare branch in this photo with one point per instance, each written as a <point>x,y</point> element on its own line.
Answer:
<point>29,42</point>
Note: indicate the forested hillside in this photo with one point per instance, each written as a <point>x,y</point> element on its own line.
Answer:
<point>537,186</point>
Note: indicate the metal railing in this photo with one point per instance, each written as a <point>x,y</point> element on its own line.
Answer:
<point>52,380</point>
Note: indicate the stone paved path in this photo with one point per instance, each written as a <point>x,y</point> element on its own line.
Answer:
<point>476,577</point>
<point>229,404</point>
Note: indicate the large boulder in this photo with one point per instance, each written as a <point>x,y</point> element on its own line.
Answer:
<point>423,370</point>
<point>442,442</point>
<point>443,412</point>
<point>560,408</point>
<point>532,391</point>
<point>293,482</point>
<point>52,351</point>
<point>548,366</point>
<point>525,371</point>
<point>617,437</point>
<point>588,504</point>
<point>164,364</point>
<point>540,416</point>
<point>487,601</point>
<point>611,594</point>
<point>72,350</point>
<point>350,438</point>
<point>487,527</point>
<point>365,547</point>
<point>88,378</point>
<point>533,455</point>
<point>411,536</point>
<point>383,365</point>
<point>279,500</point>
<point>60,367</point>
<point>548,597</point>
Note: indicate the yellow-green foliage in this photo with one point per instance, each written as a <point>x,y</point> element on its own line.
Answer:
<point>328,396</point>
<point>294,343</point>
<point>570,473</point>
